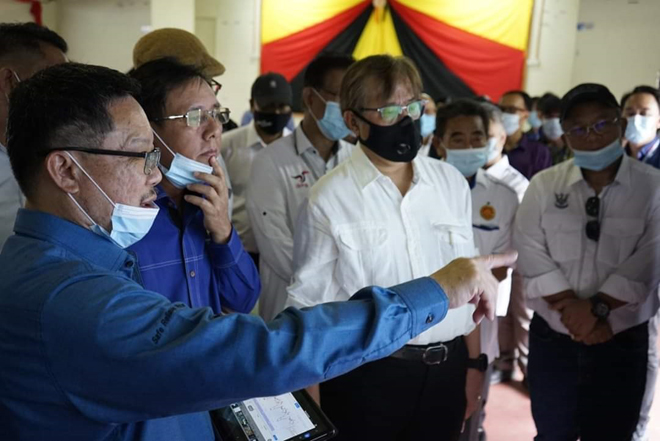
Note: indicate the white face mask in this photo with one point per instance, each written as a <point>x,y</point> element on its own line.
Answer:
<point>129,223</point>
<point>641,129</point>
<point>511,123</point>
<point>181,170</point>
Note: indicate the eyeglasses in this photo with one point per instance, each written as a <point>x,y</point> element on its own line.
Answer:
<point>600,128</point>
<point>215,86</point>
<point>389,114</point>
<point>593,210</point>
<point>511,109</point>
<point>197,117</point>
<point>152,158</point>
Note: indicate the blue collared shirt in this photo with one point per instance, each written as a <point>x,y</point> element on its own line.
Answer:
<point>178,259</point>
<point>88,354</point>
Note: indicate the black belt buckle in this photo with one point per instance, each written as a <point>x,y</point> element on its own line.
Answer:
<point>435,354</point>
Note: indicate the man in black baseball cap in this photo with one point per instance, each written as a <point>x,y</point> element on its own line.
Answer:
<point>587,233</point>
<point>270,103</point>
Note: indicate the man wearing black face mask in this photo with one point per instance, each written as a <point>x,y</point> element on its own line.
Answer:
<point>270,103</point>
<point>386,214</point>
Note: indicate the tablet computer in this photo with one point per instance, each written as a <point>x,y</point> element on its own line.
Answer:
<point>288,417</point>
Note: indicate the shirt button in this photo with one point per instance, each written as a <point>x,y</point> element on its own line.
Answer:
<point>429,318</point>
<point>192,273</point>
<point>129,264</point>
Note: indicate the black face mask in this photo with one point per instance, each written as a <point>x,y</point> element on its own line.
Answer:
<point>271,123</point>
<point>398,143</point>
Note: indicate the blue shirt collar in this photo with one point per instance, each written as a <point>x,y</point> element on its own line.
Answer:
<point>79,240</point>
<point>645,150</point>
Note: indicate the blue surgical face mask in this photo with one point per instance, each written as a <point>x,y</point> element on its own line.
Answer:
<point>181,170</point>
<point>641,129</point>
<point>599,159</point>
<point>428,124</point>
<point>467,161</point>
<point>534,120</point>
<point>493,152</point>
<point>552,128</point>
<point>129,223</point>
<point>511,123</point>
<point>332,125</point>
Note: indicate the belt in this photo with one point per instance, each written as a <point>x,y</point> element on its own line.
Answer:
<point>435,353</point>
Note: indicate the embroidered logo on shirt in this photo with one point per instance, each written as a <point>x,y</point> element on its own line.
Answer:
<point>561,200</point>
<point>487,212</point>
<point>302,179</point>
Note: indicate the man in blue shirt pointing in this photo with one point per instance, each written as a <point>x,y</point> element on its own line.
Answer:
<point>88,353</point>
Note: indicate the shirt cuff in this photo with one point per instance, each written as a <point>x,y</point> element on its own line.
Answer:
<point>545,285</point>
<point>426,299</point>
<point>227,254</point>
<point>625,289</point>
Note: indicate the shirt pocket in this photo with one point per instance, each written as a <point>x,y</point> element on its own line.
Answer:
<point>618,239</point>
<point>454,241</point>
<point>563,234</point>
<point>361,247</point>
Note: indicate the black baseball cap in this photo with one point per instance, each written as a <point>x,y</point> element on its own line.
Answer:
<point>271,88</point>
<point>587,92</point>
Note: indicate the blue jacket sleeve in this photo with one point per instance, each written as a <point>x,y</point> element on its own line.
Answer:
<point>121,354</point>
<point>236,275</point>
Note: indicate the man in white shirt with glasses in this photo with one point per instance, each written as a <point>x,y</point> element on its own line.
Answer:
<point>381,216</point>
<point>588,233</point>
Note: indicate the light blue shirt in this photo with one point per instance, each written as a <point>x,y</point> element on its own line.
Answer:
<point>88,354</point>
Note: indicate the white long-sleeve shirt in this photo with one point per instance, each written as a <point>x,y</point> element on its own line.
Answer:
<point>494,206</point>
<point>11,197</point>
<point>239,147</point>
<point>358,230</point>
<point>282,175</point>
<point>556,255</point>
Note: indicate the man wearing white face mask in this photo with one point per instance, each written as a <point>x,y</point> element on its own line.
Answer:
<point>550,110</point>
<point>588,233</point>
<point>192,254</point>
<point>641,108</point>
<point>283,173</point>
<point>25,48</point>
<point>527,155</point>
<point>462,135</point>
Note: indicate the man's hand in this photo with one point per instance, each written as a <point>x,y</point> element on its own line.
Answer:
<point>215,204</point>
<point>474,385</point>
<point>576,316</point>
<point>602,333</point>
<point>471,281</point>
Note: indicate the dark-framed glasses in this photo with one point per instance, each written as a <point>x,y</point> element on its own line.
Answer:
<point>599,128</point>
<point>197,117</point>
<point>151,159</point>
<point>593,210</point>
<point>215,86</point>
<point>389,114</point>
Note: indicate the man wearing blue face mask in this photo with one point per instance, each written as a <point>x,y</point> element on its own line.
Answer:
<point>641,108</point>
<point>534,119</point>
<point>462,130</point>
<point>270,102</point>
<point>192,254</point>
<point>588,233</point>
<point>283,173</point>
<point>551,131</point>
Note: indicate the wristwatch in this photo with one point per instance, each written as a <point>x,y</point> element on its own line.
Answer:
<point>599,308</point>
<point>480,363</point>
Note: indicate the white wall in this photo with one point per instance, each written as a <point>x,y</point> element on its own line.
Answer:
<point>14,11</point>
<point>620,50</point>
<point>102,32</point>
<point>552,46</point>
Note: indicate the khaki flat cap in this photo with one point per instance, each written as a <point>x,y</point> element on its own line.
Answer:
<point>178,44</point>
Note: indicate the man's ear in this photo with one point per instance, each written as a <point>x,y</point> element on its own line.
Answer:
<point>307,98</point>
<point>436,143</point>
<point>64,173</point>
<point>352,122</point>
<point>7,81</point>
<point>252,109</point>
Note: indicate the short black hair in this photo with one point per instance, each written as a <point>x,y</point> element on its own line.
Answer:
<point>525,96</point>
<point>549,103</point>
<point>157,79</point>
<point>61,106</point>
<point>27,38</point>
<point>461,107</point>
<point>641,89</point>
<point>317,70</point>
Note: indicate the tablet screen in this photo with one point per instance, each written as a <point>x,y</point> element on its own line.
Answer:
<point>287,417</point>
